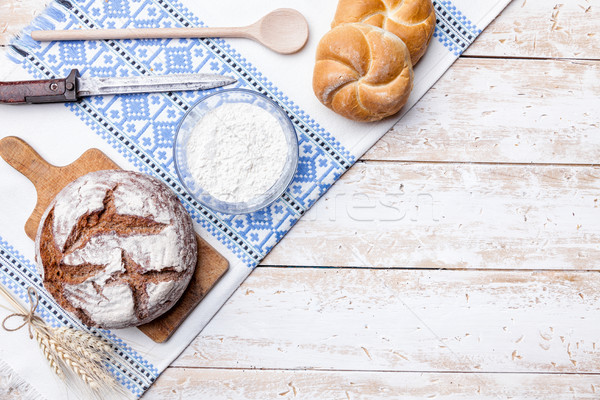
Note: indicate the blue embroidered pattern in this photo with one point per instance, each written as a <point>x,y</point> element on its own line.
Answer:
<point>453,29</point>
<point>142,127</point>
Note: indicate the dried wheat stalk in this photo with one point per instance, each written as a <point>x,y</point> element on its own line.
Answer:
<point>42,341</point>
<point>69,352</point>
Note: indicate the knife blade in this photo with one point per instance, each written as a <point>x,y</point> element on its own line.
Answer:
<point>73,87</point>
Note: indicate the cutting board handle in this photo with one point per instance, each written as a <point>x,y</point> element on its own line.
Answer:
<point>25,159</point>
<point>47,178</point>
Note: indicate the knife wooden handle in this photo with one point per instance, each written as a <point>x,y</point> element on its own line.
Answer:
<point>40,91</point>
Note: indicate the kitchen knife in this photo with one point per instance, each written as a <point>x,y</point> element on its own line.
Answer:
<point>73,87</point>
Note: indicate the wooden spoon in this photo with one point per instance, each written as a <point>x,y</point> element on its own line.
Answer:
<point>284,30</point>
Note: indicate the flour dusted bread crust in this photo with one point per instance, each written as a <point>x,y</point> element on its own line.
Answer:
<point>116,248</point>
<point>413,21</point>
<point>362,72</point>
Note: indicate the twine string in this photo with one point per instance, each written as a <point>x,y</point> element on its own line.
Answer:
<point>29,318</point>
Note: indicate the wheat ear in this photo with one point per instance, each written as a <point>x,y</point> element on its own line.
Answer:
<point>83,343</point>
<point>42,341</point>
<point>64,355</point>
<point>68,351</point>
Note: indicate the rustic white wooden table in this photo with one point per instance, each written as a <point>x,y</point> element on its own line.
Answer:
<point>459,258</point>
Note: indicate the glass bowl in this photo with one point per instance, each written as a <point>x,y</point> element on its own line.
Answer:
<point>191,119</point>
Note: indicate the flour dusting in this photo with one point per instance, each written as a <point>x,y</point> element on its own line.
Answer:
<point>237,152</point>
<point>133,233</point>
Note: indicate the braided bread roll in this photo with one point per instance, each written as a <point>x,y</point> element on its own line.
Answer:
<point>362,72</point>
<point>413,21</point>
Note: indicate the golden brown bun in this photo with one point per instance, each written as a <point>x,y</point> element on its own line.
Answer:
<point>411,20</point>
<point>362,72</point>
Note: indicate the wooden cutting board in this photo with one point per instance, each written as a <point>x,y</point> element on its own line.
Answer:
<point>49,180</point>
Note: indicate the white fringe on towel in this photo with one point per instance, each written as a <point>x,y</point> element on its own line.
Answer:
<point>12,386</point>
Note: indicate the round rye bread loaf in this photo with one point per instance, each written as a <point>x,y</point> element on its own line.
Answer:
<point>116,248</point>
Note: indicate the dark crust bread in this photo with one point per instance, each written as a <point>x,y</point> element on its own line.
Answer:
<point>105,225</point>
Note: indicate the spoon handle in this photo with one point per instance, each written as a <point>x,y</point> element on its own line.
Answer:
<point>146,33</point>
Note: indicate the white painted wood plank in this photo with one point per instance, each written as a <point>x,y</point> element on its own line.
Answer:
<point>451,216</point>
<point>480,113</point>
<point>542,28</point>
<point>184,384</point>
<point>16,15</point>
<point>406,320</point>
<point>507,111</point>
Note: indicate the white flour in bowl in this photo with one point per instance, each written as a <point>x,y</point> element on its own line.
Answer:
<point>236,152</point>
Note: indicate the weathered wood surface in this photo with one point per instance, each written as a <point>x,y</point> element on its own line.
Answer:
<point>383,214</point>
<point>406,320</point>
<point>490,332</point>
<point>544,29</point>
<point>503,111</point>
<point>16,15</point>
<point>192,384</point>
